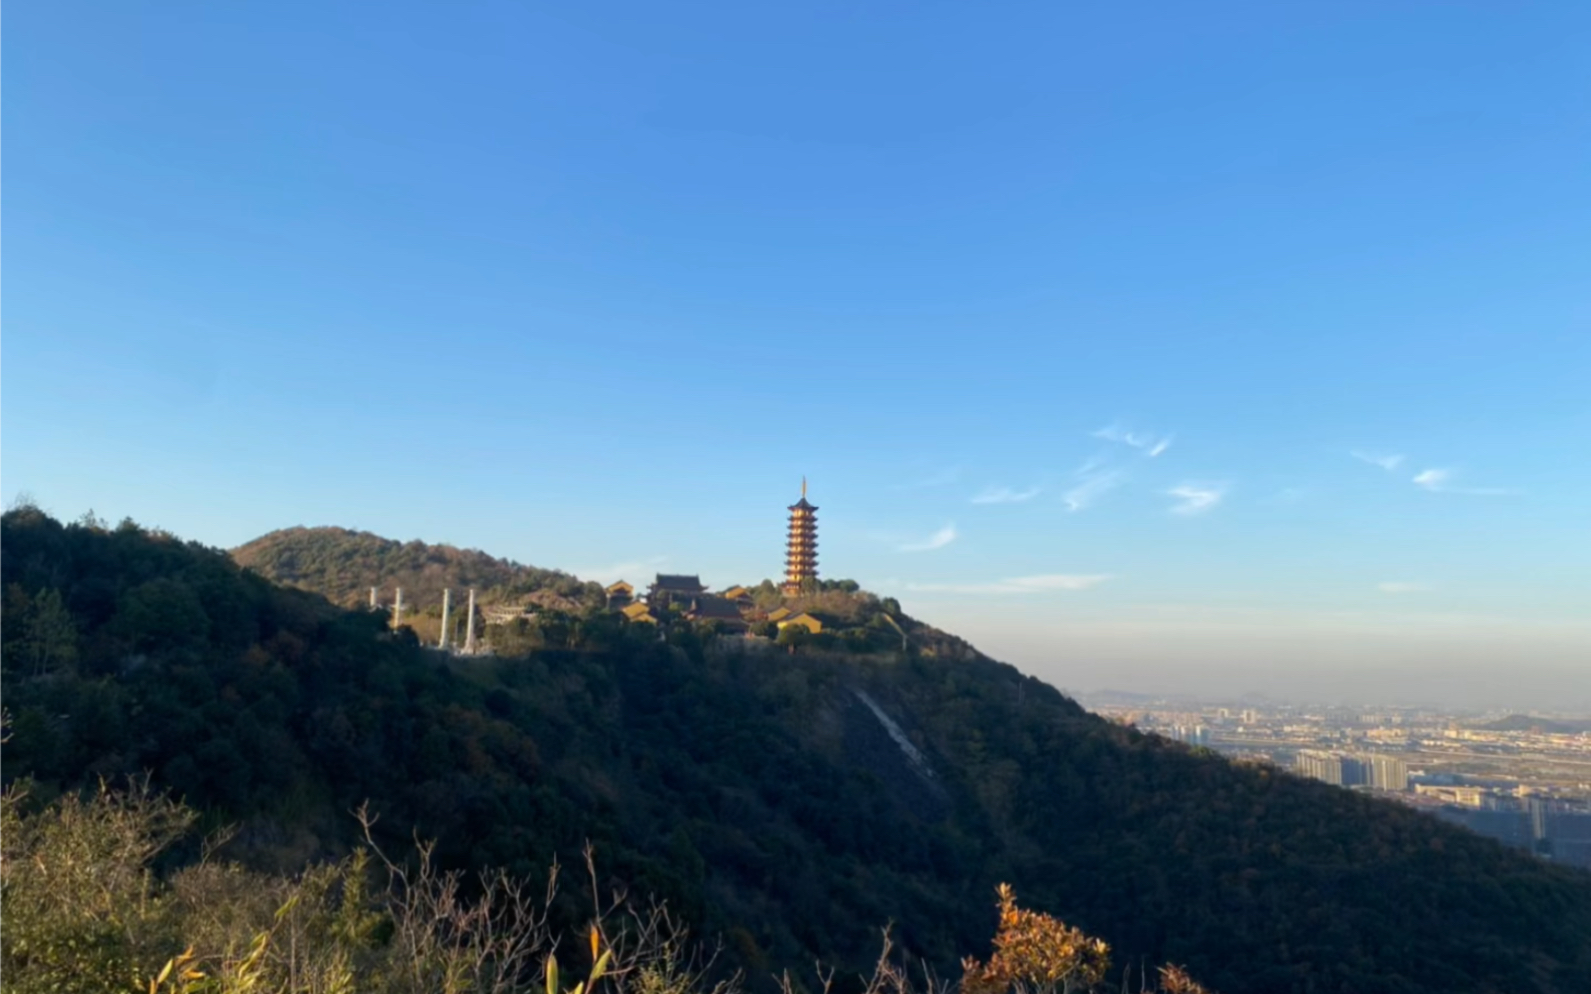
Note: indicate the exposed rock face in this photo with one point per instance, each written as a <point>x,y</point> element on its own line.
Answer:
<point>875,741</point>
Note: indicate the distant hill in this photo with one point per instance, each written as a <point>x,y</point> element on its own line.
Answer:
<point>790,802</point>
<point>342,566</point>
<point>1526,722</point>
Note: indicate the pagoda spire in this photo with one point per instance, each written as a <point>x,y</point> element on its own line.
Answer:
<point>801,549</point>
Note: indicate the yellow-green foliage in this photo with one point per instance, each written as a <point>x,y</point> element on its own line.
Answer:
<point>81,908</point>
<point>84,911</point>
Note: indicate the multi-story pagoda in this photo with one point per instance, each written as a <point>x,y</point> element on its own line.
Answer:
<point>801,555</point>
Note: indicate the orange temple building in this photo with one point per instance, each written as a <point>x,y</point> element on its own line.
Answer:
<point>801,555</point>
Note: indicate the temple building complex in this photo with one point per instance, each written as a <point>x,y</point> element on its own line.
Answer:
<point>733,610</point>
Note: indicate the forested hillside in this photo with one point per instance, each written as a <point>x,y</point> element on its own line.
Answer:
<point>789,802</point>
<point>343,565</point>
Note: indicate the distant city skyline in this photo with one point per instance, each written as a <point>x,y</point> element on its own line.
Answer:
<point>1243,349</point>
<point>1523,783</point>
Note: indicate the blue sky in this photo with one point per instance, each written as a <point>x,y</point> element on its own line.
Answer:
<point>593,286</point>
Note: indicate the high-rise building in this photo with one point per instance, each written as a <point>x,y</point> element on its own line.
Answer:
<point>801,553</point>
<point>1537,809</point>
<point>1319,765</point>
<point>1332,768</point>
<point>1387,772</point>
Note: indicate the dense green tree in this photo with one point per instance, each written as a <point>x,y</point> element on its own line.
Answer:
<point>42,637</point>
<point>793,637</point>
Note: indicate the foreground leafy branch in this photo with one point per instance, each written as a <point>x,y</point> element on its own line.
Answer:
<point>1035,953</point>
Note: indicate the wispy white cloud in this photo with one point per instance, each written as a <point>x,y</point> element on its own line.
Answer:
<point>1093,483</point>
<point>1153,445</point>
<point>1388,461</point>
<point>1196,498</point>
<point>1017,585</point>
<point>1058,581</point>
<point>1005,495</point>
<point>1432,479</point>
<point>632,570</point>
<point>1400,587</point>
<point>1440,481</point>
<point>938,540</point>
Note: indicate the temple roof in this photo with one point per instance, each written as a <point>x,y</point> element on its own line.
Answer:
<point>802,504</point>
<point>679,581</point>
<point>715,607</point>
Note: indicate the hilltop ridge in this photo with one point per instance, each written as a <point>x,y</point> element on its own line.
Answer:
<point>342,565</point>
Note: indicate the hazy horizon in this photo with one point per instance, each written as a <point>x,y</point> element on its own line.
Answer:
<point>1241,348</point>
